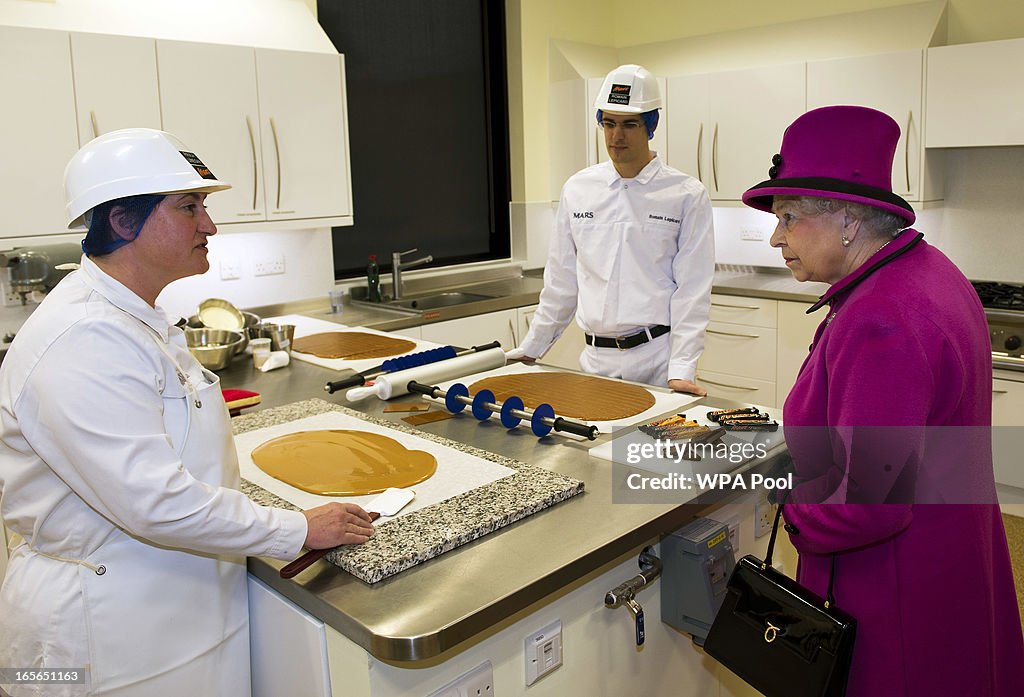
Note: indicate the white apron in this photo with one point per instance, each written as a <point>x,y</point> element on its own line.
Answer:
<point>165,622</point>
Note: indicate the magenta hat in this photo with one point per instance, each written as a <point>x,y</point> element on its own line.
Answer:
<point>840,152</point>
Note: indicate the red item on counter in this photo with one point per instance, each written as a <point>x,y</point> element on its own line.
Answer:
<point>240,399</point>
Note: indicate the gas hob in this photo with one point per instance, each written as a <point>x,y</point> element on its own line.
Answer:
<point>1004,309</point>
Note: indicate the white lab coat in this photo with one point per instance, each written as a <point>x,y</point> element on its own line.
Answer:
<point>627,254</point>
<point>116,457</point>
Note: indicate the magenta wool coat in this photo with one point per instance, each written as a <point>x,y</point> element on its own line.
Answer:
<point>905,344</point>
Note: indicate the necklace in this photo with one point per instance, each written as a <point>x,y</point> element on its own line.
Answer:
<point>882,247</point>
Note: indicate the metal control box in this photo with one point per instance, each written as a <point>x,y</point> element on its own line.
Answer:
<point>698,560</point>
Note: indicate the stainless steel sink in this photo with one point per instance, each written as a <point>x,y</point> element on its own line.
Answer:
<point>432,302</point>
<point>425,303</point>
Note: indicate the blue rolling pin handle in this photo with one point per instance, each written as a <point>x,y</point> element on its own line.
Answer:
<point>450,402</point>
<point>482,398</point>
<point>510,404</point>
<point>543,411</point>
<point>413,360</point>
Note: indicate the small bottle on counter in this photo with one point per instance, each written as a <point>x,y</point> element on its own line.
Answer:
<point>373,280</point>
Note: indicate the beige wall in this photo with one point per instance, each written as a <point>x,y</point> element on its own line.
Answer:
<point>615,24</point>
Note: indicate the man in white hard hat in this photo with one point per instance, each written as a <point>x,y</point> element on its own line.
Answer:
<point>632,253</point>
<point>117,465</point>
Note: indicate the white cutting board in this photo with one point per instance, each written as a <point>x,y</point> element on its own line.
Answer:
<point>304,326</point>
<point>457,472</point>
<point>617,449</point>
<point>663,400</point>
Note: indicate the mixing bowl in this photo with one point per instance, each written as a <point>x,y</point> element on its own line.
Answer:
<point>214,348</point>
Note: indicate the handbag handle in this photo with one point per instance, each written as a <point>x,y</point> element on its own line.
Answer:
<point>830,599</point>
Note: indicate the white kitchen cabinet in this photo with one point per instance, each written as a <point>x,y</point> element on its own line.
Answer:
<point>893,83</point>
<point>711,132</point>
<point>796,332</point>
<point>38,134</point>
<point>740,348</point>
<point>115,83</point>
<point>474,331</point>
<point>975,94</point>
<point>1007,420</point>
<point>564,353</point>
<point>304,131</point>
<point>288,646</point>
<point>271,123</point>
<point>209,99</point>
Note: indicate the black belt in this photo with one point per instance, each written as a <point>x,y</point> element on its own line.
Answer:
<point>627,342</point>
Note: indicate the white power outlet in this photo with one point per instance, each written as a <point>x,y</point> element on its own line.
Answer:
<point>478,682</point>
<point>764,517</point>
<point>752,234</point>
<point>230,270</point>
<point>269,265</point>
<point>543,651</point>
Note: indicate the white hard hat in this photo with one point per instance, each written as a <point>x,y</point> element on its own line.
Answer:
<point>629,89</point>
<point>129,162</point>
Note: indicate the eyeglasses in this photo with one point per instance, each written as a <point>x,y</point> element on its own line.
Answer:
<point>627,126</point>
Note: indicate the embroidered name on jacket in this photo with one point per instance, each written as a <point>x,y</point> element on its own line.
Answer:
<point>663,218</point>
<point>583,214</point>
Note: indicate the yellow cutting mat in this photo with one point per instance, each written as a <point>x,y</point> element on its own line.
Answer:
<point>572,395</point>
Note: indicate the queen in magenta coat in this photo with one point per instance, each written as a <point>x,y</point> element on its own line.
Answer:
<point>892,406</point>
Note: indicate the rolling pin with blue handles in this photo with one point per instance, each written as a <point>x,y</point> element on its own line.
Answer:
<point>392,365</point>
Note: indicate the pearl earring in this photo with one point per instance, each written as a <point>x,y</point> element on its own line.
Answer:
<point>846,241</point>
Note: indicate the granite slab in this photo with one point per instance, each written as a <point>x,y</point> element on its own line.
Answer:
<point>429,532</point>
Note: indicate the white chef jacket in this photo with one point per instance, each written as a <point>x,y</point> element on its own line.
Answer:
<point>92,417</point>
<point>627,254</point>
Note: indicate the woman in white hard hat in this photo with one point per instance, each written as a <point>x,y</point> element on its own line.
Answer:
<point>632,253</point>
<point>117,465</point>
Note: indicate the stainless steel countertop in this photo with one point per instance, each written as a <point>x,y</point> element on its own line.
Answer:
<point>427,612</point>
<point>775,284</point>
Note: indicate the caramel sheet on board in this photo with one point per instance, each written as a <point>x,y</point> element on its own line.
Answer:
<point>574,396</point>
<point>352,345</point>
<point>339,462</point>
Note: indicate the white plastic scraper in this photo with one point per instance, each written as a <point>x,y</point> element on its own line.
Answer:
<point>391,501</point>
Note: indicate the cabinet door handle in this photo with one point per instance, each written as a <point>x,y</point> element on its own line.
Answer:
<point>95,126</point>
<point>714,157</point>
<point>512,331</point>
<point>725,384</point>
<point>252,145</point>
<point>995,391</point>
<point>906,149</point>
<point>700,144</point>
<point>277,154</point>
<point>745,336</point>
<point>736,307</point>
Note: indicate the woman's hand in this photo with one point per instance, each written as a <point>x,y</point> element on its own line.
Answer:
<point>336,524</point>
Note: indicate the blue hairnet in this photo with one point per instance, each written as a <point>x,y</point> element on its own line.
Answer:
<point>101,238</point>
<point>650,120</point>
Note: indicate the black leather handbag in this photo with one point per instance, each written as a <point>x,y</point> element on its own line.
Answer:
<point>781,638</point>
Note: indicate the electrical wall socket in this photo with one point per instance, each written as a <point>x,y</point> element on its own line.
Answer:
<point>543,651</point>
<point>269,265</point>
<point>752,234</point>
<point>230,270</point>
<point>764,517</point>
<point>478,682</point>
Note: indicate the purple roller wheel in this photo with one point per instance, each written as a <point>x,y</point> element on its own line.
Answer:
<point>450,402</point>
<point>479,410</point>
<point>544,411</point>
<point>510,404</point>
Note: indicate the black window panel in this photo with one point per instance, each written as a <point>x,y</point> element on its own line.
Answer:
<point>428,129</point>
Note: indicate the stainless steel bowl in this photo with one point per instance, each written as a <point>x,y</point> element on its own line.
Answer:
<point>220,314</point>
<point>249,330</point>
<point>213,348</point>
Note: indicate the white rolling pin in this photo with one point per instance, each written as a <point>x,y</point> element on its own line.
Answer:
<point>397,384</point>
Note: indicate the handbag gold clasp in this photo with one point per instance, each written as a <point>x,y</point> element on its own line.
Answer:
<point>771,633</point>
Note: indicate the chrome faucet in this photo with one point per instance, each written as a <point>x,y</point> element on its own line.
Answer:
<point>396,270</point>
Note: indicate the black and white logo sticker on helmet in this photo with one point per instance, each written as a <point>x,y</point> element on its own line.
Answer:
<point>619,94</point>
<point>197,165</point>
